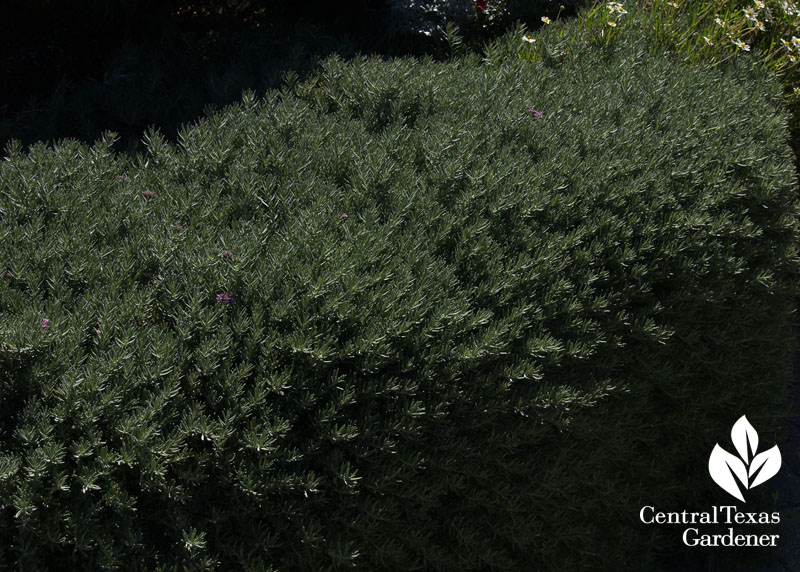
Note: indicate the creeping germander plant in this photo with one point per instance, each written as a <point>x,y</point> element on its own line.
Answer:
<point>453,331</point>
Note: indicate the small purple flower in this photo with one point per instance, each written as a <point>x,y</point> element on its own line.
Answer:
<point>536,114</point>
<point>343,215</point>
<point>227,297</point>
<point>45,322</point>
<point>148,194</point>
<point>227,254</point>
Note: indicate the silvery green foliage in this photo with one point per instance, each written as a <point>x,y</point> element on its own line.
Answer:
<point>403,315</point>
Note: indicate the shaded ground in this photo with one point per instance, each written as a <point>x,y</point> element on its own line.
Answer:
<point>43,43</point>
<point>66,76</point>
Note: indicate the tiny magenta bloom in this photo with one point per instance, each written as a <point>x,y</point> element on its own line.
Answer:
<point>148,194</point>
<point>536,114</point>
<point>481,6</point>
<point>344,215</point>
<point>226,297</point>
<point>45,322</point>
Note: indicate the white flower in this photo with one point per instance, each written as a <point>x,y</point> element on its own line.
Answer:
<point>616,7</point>
<point>795,41</point>
<point>789,8</point>
<point>750,14</point>
<point>720,22</point>
<point>797,91</point>
<point>612,24</point>
<point>741,45</point>
<point>708,40</point>
<point>545,19</point>
<point>760,26</point>
<point>759,4</point>
<point>529,39</point>
<point>673,4</point>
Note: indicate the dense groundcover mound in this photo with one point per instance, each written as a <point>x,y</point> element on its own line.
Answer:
<point>404,316</point>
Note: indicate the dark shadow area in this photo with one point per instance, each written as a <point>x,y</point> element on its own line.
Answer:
<point>71,75</point>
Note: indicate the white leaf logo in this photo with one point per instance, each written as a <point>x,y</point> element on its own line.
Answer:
<point>743,434</point>
<point>722,466</point>
<point>769,462</point>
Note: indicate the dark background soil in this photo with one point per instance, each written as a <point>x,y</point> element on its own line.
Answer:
<point>42,43</point>
<point>52,46</point>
